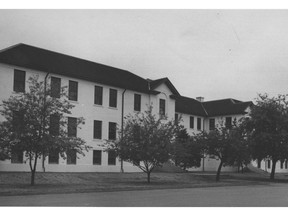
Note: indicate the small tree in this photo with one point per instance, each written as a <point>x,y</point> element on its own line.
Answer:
<point>146,141</point>
<point>187,152</point>
<point>35,124</point>
<point>268,129</point>
<point>221,144</point>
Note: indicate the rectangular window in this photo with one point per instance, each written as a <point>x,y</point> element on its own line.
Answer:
<point>113,98</point>
<point>53,157</point>
<point>191,122</point>
<point>228,122</point>
<point>18,121</point>
<point>98,95</point>
<point>97,157</point>
<point>162,107</point>
<point>111,158</point>
<point>176,118</point>
<point>198,123</point>
<point>259,164</point>
<point>97,129</point>
<point>55,87</point>
<point>269,164</point>
<point>19,81</point>
<point>73,90</point>
<point>54,125</point>
<point>281,164</point>
<point>71,156</point>
<point>17,156</point>
<point>211,124</point>
<point>72,127</point>
<point>137,102</point>
<point>286,164</point>
<point>112,131</point>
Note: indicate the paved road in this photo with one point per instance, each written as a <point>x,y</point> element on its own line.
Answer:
<point>269,195</point>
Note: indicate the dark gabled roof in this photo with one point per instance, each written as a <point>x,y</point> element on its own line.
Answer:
<point>225,107</point>
<point>27,56</point>
<point>189,106</point>
<point>155,83</point>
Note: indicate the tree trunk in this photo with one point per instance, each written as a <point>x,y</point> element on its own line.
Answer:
<point>148,177</point>
<point>32,177</point>
<point>218,171</point>
<point>272,175</point>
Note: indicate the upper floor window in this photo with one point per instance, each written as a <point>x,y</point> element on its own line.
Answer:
<point>73,90</point>
<point>113,98</point>
<point>112,131</point>
<point>71,156</point>
<point>19,81</point>
<point>54,125</point>
<point>55,87</point>
<point>98,95</point>
<point>211,124</point>
<point>191,122</point>
<point>228,122</point>
<point>162,107</point>
<point>72,127</point>
<point>97,157</point>
<point>137,102</point>
<point>198,123</point>
<point>97,129</point>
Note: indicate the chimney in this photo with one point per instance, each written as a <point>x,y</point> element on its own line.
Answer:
<point>200,99</point>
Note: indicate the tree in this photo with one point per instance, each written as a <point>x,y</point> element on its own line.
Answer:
<point>36,124</point>
<point>222,144</point>
<point>268,129</point>
<point>187,152</point>
<point>145,142</point>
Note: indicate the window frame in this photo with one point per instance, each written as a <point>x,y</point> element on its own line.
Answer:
<point>137,102</point>
<point>98,98</point>
<point>53,155</point>
<point>71,127</point>
<point>55,87</point>
<point>71,160</point>
<point>99,129</point>
<point>73,90</point>
<point>191,122</point>
<point>113,98</point>
<point>99,159</point>
<point>18,155</point>
<point>112,128</point>
<point>113,158</point>
<point>212,126</point>
<point>19,82</point>
<point>162,107</point>
<point>199,123</point>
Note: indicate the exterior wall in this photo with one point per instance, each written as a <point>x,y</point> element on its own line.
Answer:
<point>86,108</point>
<point>185,121</point>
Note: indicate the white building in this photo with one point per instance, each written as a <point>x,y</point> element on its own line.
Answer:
<point>103,95</point>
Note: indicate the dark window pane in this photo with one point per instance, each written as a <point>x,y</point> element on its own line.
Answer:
<point>53,157</point>
<point>112,131</point>
<point>136,133</point>
<point>111,158</point>
<point>211,124</point>
<point>286,164</point>
<point>72,127</point>
<point>259,164</point>
<point>97,129</point>
<point>18,121</point>
<point>71,156</point>
<point>97,157</point>
<point>98,95</point>
<point>269,164</point>
<point>19,81</point>
<point>176,118</point>
<point>54,125</point>
<point>228,122</point>
<point>162,107</point>
<point>137,102</point>
<point>113,98</point>
<point>17,156</point>
<point>55,87</point>
<point>73,90</point>
<point>191,122</point>
<point>198,123</point>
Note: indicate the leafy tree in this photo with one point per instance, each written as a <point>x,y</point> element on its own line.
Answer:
<point>187,152</point>
<point>36,124</point>
<point>146,141</point>
<point>222,144</point>
<point>268,129</point>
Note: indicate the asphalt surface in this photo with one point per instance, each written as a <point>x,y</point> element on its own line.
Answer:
<point>274,195</point>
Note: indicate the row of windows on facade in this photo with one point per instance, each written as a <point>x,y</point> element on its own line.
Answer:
<point>19,86</point>
<point>53,158</point>
<point>228,123</point>
<point>191,122</point>
<point>282,163</point>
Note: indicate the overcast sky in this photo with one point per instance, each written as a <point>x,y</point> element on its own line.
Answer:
<point>211,53</point>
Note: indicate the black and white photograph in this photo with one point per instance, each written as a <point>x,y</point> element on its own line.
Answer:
<point>143,107</point>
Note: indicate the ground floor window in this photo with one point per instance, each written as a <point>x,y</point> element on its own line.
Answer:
<point>17,157</point>
<point>269,164</point>
<point>111,158</point>
<point>71,156</point>
<point>97,157</point>
<point>53,157</point>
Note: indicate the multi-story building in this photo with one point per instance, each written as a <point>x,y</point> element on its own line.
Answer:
<point>103,95</point>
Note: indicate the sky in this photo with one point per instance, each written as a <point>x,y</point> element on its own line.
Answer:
<point>215,54</point>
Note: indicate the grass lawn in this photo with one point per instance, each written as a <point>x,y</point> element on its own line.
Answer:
<point>18,183</point>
